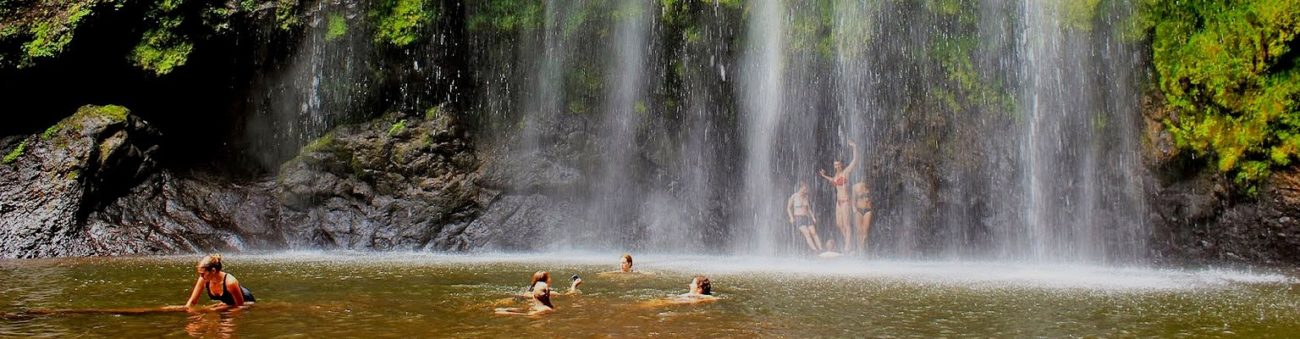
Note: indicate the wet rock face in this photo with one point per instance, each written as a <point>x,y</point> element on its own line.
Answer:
<point>54,181</point>
<point>391,184</point>
<point>90,186</point>
<point>1200,220</point>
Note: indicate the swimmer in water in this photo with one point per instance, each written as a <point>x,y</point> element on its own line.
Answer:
<point>540,293</point>
<point>624,267</point>
<point>700,290</point>
<point>221,286</point>
<point>843,205</point>
<point>545,277</point>
<point>830,250</point>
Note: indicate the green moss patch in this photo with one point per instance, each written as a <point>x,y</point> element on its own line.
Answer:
<point>15,153</point>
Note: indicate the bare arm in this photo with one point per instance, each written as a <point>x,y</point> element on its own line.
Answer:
<point>824,176</point>
<point>789,209</point>
<point>853,147</point>
<point>194,295</point>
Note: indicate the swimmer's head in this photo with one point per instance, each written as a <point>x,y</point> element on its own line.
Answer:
<point>701,285</point>
<point>626,263</point>
<point>541,276</point>
<point>803,186</point>
<point>209,264</point>
<point>830,245</point>
<point>839,166</point>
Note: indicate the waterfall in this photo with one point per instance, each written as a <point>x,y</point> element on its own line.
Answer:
<point>986,130</point>
<point>1067,99</point>
<point>763,91</point>
<point>325,83</point>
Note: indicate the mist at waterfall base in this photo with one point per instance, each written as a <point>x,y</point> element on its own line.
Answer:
<point>1006,132</point>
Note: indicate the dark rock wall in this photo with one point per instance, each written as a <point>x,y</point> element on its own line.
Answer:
<point>90,187</point>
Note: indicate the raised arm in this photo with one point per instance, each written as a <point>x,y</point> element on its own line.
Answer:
<point>194,295</point>
<point>853,147</point>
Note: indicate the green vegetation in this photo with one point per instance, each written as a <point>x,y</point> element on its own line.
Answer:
<point>320,144</point>
<point>337,27</point>
<point>36,30</point>
<point>51,131</point>
<point>161,50</point>
<point>1079,14</point>
<point>432,112</point>
<point>41,27</point>
<point>399,22</point>
<point>506,15</point>
<point>1231,71</point>
<point>114,113</point>
<point>15,153</point>
<point>397,128</point>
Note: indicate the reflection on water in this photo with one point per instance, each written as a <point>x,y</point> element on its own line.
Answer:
<point>367,295</point>
<point>213,324</point>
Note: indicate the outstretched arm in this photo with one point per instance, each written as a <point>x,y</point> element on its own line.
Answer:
<point>853,147</point>
<point>822,173</point>
<point>194,295</point>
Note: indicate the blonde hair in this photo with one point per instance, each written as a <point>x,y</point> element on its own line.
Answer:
<point>210,262</point>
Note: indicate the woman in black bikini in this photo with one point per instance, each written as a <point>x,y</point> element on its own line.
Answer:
<point>862,208</point>
<point>843,206</point>
<point>799,210</point>
<point>221,286</point>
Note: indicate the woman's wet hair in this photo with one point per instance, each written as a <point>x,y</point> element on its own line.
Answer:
<point>702,282</point>
<point>542,276</point>
<point>628,258</point>
<point>210,263</point>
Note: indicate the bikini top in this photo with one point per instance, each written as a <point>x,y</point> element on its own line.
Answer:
<point>841,181</point>
<point>800,204</point>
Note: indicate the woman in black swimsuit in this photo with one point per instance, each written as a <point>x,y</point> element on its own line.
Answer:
<point>220,285</point>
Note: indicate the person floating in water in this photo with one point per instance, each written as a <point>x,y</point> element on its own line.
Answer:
<point>862,209</point>
<point>843,206</point>
<point>700,290</point>
<point>221,286</point>
<point>540,293</point>
<point>799,210</point>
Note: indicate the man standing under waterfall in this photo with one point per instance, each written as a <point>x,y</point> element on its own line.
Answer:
<point>799,209</point>
<point>843,204</point>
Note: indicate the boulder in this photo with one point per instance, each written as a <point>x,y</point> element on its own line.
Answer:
<point>53,181</point>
